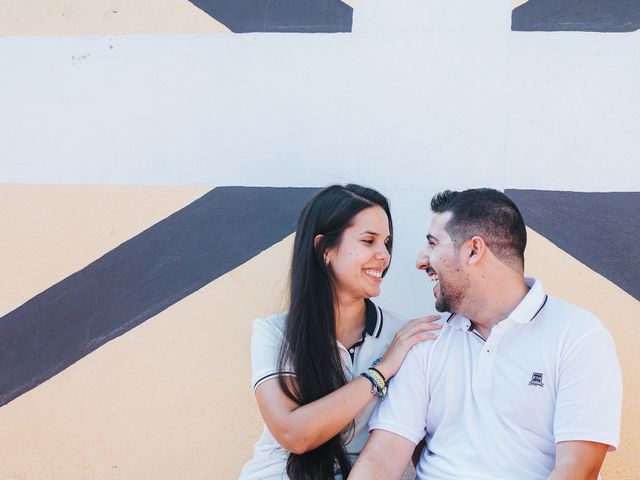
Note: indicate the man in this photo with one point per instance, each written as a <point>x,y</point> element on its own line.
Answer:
<point>518,385</point>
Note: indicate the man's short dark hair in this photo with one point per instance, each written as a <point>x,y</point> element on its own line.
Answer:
<point>487,213</point>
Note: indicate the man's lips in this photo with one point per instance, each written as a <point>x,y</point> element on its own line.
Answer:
<point>433,276</point>
<point>431,273</point>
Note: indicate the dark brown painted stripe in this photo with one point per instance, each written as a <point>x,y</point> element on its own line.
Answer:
<point>140,278</point>
<point>302,16</point>
<point>602,230</point>
<point>577,15</point>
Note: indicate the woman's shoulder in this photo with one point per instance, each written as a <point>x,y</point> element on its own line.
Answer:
<point>390,321</point>
<point>271,325</point>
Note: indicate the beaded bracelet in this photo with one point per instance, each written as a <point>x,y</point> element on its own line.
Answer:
<point>377,381</point>
<point>380,382</point>
<point>379,373</point>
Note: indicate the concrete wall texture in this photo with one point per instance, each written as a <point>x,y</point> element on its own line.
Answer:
<point>141,233</point>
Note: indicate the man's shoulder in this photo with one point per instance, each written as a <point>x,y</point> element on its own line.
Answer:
<point>566,314</point>
<point>423,351</point>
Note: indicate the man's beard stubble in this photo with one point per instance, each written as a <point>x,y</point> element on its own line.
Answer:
<point>450,297</point>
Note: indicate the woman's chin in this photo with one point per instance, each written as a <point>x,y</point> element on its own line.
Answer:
<point>375,292</point>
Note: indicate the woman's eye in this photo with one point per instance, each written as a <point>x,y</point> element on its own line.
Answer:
<point>368,242</point>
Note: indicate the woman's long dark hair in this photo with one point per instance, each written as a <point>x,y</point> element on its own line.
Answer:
<point>309,345</point>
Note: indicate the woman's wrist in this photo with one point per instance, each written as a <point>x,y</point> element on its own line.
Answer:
<point>383,370</point>
<point>377,380</point>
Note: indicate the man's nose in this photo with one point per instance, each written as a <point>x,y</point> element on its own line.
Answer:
<point>422,262</point>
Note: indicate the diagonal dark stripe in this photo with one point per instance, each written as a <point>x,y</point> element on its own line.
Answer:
<point>302,16</point>
<point>576,16</point>
<point>140,278</point>
<point>599,229</point>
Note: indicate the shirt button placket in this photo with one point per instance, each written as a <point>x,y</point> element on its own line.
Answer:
<point>486,364</point>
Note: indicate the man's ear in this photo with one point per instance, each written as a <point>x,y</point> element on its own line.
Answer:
<point>477,249</point>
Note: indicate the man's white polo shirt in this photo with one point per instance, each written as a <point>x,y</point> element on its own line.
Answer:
<point>269,458</point>
<point>495,409</point>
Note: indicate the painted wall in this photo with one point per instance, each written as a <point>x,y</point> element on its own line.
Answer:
<point>131,273</point>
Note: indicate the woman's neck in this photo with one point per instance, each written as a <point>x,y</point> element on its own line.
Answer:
<point>350,318</point>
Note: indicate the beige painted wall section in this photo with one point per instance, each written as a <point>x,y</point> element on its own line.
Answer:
<point>170,399</point>
<point>565,277</point>
<point>52,231</point>
<point>100,17</point>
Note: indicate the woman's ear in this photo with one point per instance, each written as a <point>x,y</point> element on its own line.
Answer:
<point>317,240</point>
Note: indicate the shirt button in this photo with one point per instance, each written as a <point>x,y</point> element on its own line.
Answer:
<point>488,350</point>
<point>351,350</point>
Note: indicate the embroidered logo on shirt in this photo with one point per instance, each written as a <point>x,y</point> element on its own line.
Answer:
<point>536,380</point>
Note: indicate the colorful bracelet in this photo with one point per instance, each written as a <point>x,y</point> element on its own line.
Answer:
<point>382,385</point>
<point>379,373</point>
<point>377,381</point>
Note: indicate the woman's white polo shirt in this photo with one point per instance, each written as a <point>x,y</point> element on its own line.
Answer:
<point>269,458</point>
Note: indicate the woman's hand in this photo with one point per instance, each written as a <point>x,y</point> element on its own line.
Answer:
<point>412,332</point>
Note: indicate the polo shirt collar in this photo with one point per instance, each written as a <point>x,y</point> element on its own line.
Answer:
<point>373,319</point>
<point>372,326</point>
<point>531,304</point>
<point>525,312</point>
<point>458,322</point>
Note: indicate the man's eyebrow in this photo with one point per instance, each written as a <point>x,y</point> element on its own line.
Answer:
<point>431,238</point>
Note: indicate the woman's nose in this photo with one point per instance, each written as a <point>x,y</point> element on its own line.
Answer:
<point>383,254</point>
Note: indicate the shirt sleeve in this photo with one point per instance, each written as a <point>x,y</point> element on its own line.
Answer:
<point>589,401</point>
<point>404,410</point>
<point>265,346</point>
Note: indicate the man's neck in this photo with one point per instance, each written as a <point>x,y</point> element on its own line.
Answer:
<point>494,301</point>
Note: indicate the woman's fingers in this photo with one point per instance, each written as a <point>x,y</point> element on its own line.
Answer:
<point>414,331</point>
<point>429,318</point>
<point>419,337</point>
<point>419,324</point>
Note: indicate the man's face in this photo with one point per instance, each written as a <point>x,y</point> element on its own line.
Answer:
<point>441,261</point>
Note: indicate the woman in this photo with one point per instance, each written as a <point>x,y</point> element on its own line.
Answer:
<point>316,373</point>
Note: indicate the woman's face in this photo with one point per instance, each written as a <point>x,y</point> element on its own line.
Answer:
<point>361,257</point>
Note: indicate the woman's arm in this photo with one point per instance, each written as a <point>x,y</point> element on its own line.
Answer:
<point>302,428</point>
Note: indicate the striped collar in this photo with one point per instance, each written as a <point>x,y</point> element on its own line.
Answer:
<point>525,312</point>
<point>372,325</point>
<point>531,304</point>
<point>373,319</point>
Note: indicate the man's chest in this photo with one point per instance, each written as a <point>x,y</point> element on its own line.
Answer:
<point>510,380</point>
